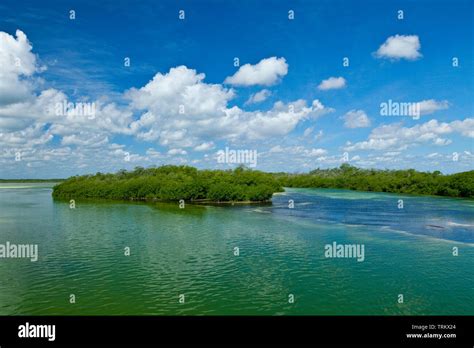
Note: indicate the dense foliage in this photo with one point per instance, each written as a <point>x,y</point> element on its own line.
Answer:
<point>396,181</point>
<point>171,183</point>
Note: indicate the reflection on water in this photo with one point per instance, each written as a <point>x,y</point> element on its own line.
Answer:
<point>281,251</point>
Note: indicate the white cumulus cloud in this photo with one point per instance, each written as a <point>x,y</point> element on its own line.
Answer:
<point>173,116</point>
<point>17,63</point>
<point>258,97</point>
<point>400,47</point>
<point>204,146</point>
<point>177,152</point>
<point>429,106</point>
<point>397,137</point>
<point>267,72</point>
<point>356,119</point>
<point>332,83</point>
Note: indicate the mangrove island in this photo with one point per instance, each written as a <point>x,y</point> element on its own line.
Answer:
<point>174,183</point>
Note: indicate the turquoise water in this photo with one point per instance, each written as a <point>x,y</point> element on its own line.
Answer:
<point>281,252</point>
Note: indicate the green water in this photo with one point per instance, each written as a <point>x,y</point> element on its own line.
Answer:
<point>191,251</point>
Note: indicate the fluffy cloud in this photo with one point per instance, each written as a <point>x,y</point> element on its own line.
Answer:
<point>429,106</point>
<point>258,97</point>
<point>400,47</point>
<point>356,119</point>
<point>395,136</point>
<point>173,116</point>
<point>307,132</point>
<point>299,151</point>
<point>332,83</point>
<point>315,152</point>
<point>85,139</point>
<point>176,109</point>
<point>24,104</point>
<point>267,72</point>
<point>16,62</point>
<point>282,118</point>
<point>177,152</point>
<point>465,127</point>
<point>180,92</point>
<point>180,111</point>
<point>26,138</point>
<point>204,146</point>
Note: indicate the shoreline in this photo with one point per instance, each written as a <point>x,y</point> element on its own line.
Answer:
<point>205,201</point>
<point>200,202</point>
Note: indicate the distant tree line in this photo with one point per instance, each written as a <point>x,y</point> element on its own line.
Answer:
<point>396,181</point>
<point>172,183</point>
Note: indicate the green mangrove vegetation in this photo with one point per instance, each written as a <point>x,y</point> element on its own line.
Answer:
<point>173,183</point>
<point>395,181</point>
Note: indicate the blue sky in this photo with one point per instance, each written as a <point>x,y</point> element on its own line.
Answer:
<point>275,102</point>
